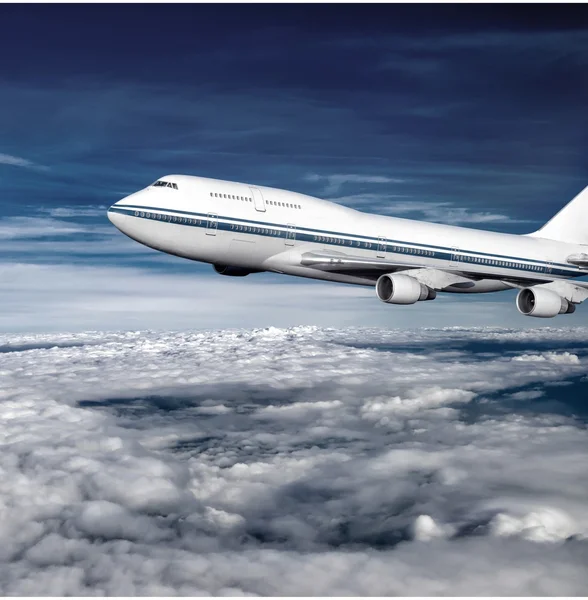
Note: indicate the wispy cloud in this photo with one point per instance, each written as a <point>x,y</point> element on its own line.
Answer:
<point>438,212</point>
<point>336,181</point>
<point>54,297</point>
<point>36,227</point>
<point>17,161</point>
<point>427,49</point>
<point>72,212</point>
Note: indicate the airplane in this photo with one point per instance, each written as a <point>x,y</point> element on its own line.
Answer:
<point>242,229</point>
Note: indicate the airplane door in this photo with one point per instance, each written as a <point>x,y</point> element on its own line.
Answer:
<point>381,247</point>
<point>548,267</point>
<point>212,225</point>
<point>291,235</point>
<point>258,199</point>
<point>454,262</point>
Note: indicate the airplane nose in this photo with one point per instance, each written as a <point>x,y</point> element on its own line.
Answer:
<point>114,216</point>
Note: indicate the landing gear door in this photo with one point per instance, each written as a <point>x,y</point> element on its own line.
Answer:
<point>258,199</point>
<point>212,225</point>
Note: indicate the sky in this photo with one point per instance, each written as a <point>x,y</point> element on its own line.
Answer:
<point>295,462</point>
<point>470,115</point>
<point>168,431</point>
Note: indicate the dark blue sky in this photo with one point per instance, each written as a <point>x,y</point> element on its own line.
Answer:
<point>468,114</point>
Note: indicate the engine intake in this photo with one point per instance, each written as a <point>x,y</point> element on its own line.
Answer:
<point>402,289</point>
<point>232,271</point>
<point>542,303</point>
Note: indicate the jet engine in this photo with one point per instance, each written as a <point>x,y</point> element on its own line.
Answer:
<point>402,289</point>
<point>539,302</point>
<point>232,271</point>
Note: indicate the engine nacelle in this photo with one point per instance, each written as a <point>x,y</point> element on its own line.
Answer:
<point>402,289</point>
<point>542,303</point>
<point>232,271</point>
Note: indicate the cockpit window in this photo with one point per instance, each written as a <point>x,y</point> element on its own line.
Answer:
<point>162,183</point>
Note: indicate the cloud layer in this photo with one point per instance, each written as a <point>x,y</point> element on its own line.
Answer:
<point>294,461</point>
<point>168,295</point>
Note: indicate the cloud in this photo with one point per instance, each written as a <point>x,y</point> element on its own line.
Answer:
<point>423,54</point>
<point>72,212</point>
<point>17,161</point>
<point>12,228</point>
<point>240,462</point>
<point>336,181</point>
<point>99,143</point>
<point>149,290</point>
<point>438,212</point>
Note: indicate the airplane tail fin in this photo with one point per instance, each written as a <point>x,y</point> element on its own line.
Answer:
<point>570,224</point>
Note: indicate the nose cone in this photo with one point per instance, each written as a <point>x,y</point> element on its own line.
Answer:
<point>115,216</point>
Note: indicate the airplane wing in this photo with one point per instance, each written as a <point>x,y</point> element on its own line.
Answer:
<point>436,279</point>
<point>572,291</point>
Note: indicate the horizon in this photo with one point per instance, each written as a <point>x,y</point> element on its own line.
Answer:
<point>473,117</point>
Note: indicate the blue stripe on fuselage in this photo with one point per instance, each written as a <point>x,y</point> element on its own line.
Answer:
<point>336,238</point>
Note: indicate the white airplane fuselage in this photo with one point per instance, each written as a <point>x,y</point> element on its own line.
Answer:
<point>257,228</point>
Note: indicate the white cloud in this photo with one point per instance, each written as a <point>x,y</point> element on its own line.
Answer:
<point>17,161</point>
<point>426,529</point>
<point>37,227</point>
<point>151,463</point>
<point>543,525</point>
<point>55,297</point>
<point>565,357</point>
<point>437,212</point>
<point>336,181</point>
<point>68,212</point>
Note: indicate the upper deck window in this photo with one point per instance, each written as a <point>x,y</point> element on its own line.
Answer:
<point>168,184</point>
